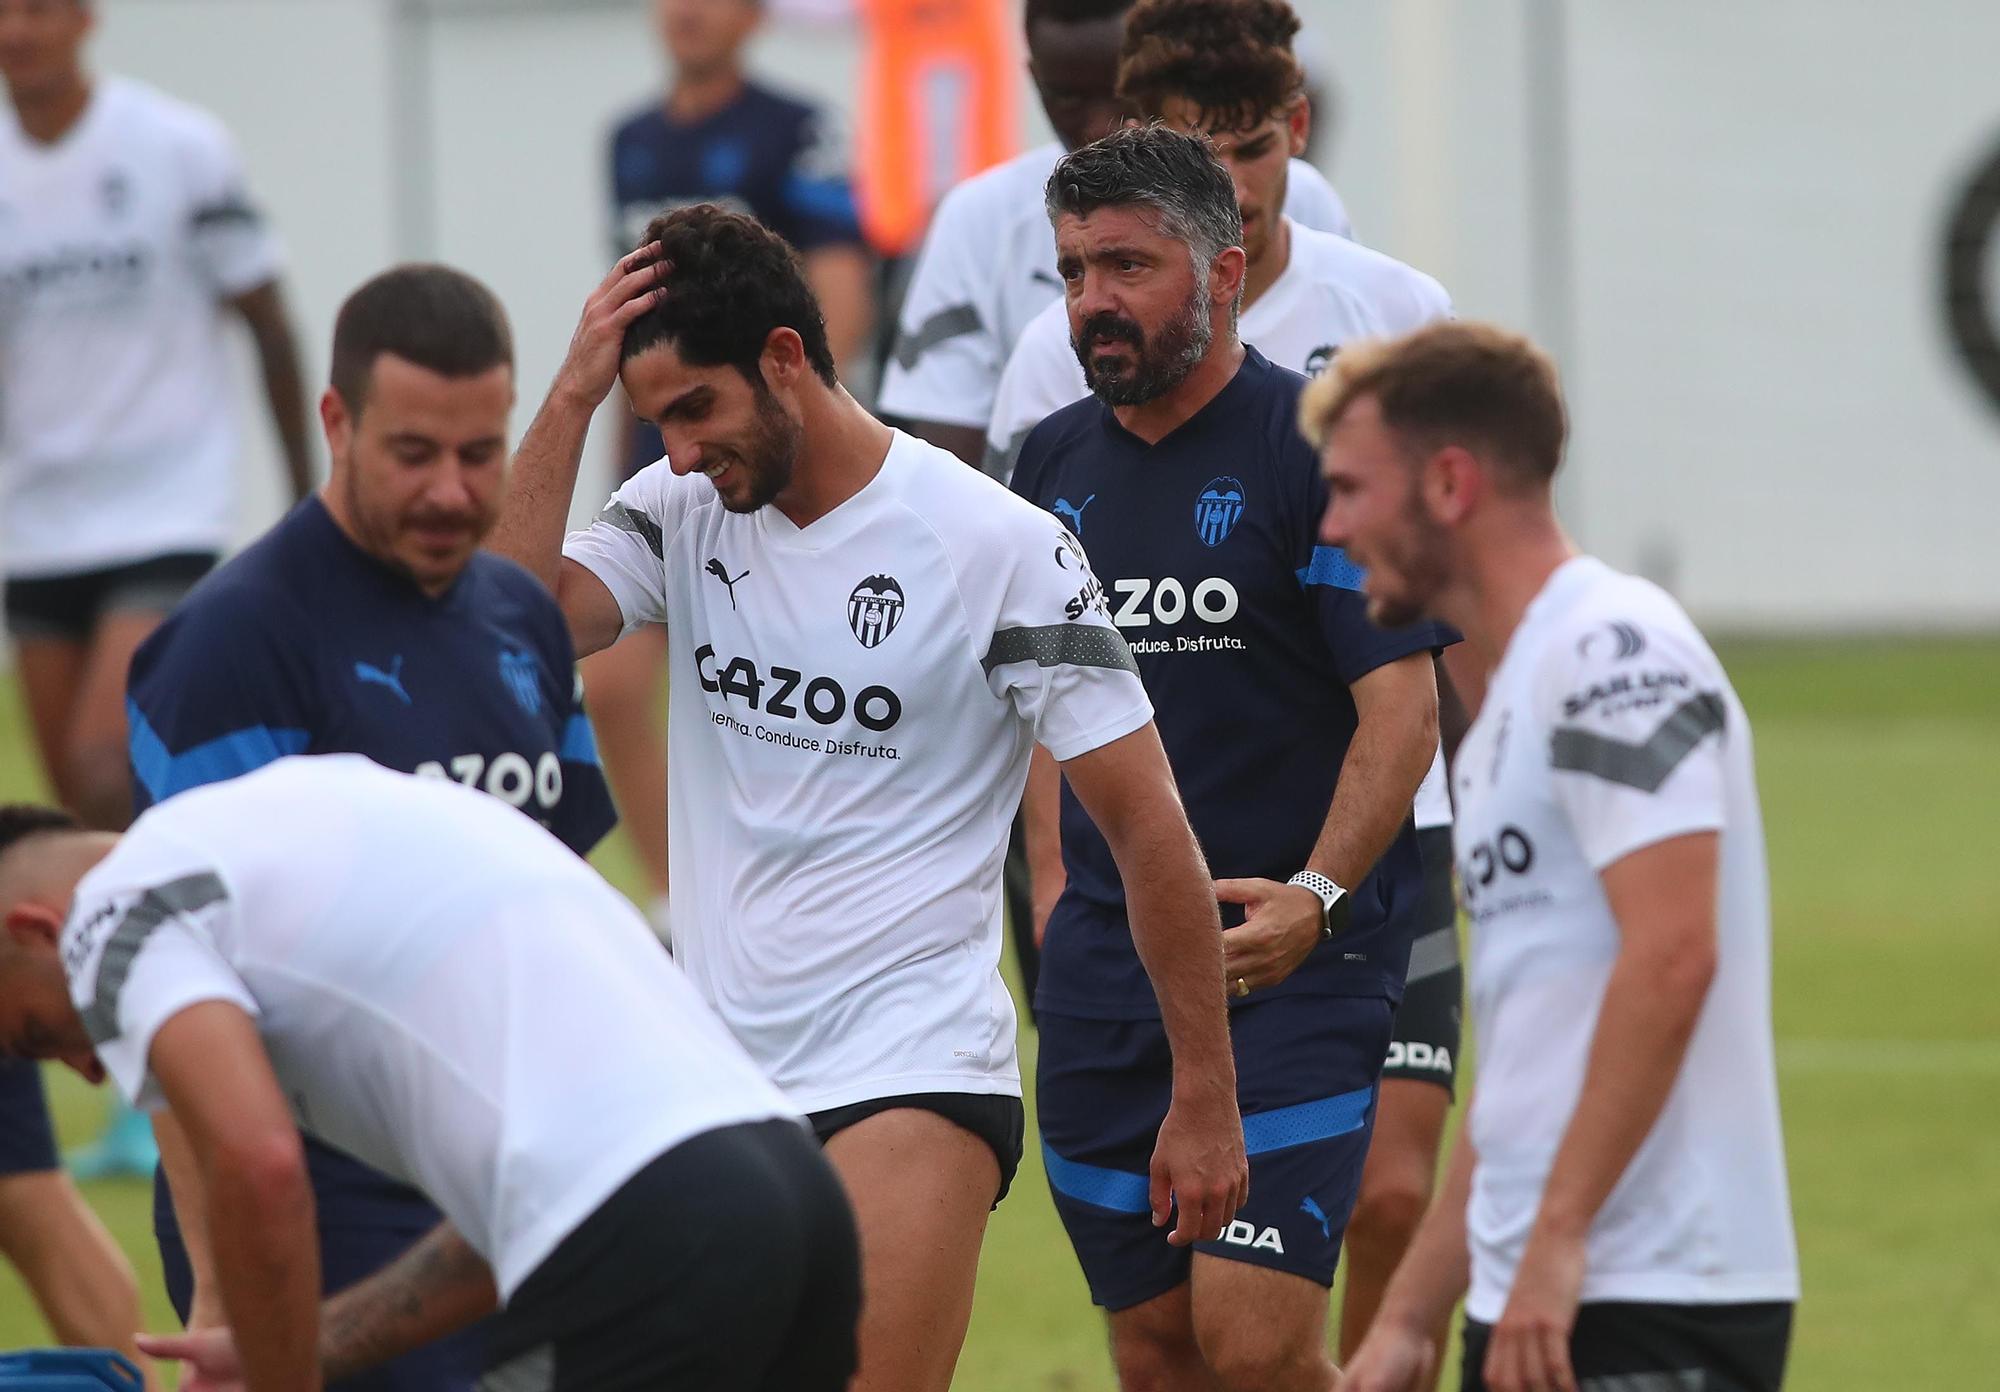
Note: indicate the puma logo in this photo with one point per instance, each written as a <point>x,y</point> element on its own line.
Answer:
<point>721,572</point>
<point>1073,511</point>
<point>369,673</point>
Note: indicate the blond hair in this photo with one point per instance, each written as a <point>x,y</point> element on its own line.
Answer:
<point>1451,383</point>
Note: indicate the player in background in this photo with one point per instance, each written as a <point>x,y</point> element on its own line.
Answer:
<point>1226,70</point>
<point>127,242</point>
<point>1619,1188</point>
<point>368,621</point>
<point>867,638</point>
<point>986,270</point>
<point>717,137</point>
<point>79,1279</point>
<point>1298,732</point>
<point>491,1022</point>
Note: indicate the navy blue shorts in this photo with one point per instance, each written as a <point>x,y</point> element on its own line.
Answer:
<point>1306,1072</point>
<point>27,1143</point>
<point>366,1220</point>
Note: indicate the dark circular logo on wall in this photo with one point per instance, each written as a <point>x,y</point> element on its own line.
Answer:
<point>1971,254</point>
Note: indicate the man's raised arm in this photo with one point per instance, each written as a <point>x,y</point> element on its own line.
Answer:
<point>530,529</point>
<point>1128,789</point>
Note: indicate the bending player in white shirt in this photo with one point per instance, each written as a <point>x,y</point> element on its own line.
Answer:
<point>492,1023</point>
<point>1621,1185</point>
<point>866,640</point>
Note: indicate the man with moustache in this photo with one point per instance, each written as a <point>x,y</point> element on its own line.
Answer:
<point>1298,733</point>
<point>368,621</point>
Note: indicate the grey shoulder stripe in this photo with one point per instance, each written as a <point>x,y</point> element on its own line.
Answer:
<point>1434,952</point>
<point>636,522</point>
<point>155,906</point>
<point>1644,766</point>
<point>942,327</point>
<point>999,463</point>
<point>1061,645</point>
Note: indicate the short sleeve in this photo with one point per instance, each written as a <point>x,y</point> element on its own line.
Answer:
<point>948,356</point>
<point>1042,377</point>
<point>139,952</point>
<point>233,243</point>
<point>1055,653</point>
<point>213,694</point>
<point>1638,717</point>
<point>625,545</point>
<point>817,191</point>
<point>1312,202</point>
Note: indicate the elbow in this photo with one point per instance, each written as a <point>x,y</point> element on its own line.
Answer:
<point>266,1173</point>
<point>1684,975</point>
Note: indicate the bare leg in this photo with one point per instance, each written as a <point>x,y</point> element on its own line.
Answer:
<point>79,1278</point>
<point>51,673</point>
<point>1154,1348</point>
<point>1261,1330</point>
<point>921,1189</point>
<point>97,765</point>
<point>622,689</point>
<point>1396,1184</point>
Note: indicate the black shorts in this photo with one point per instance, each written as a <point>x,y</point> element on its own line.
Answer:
<point>1618,1345</point>
<point>27,1143</point>
<point>69,607</point>
<point>729,1263</point>
<point>1424,1043</point>
<point>998,1120</point>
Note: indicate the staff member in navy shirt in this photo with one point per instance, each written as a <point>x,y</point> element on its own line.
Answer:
<point>1298,733</point>
<point>369,622</point>
<point>717,137</point>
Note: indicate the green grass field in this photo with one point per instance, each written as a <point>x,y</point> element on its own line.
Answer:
<point>1879,764</point>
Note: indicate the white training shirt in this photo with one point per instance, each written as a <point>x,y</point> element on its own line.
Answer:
<point>988,266</point>
<point>1332,291</point>
<point>851,713</point>
<point>118,245</point>
<point>1610,726</point>
<point>444,989</point>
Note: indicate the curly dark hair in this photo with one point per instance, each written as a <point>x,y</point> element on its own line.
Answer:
<point>1174,176</point>
<point>1232,58</point>
<point>733,280</point>
<point>21,820</point>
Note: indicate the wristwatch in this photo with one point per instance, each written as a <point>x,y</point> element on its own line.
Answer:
<point>1336,908</point>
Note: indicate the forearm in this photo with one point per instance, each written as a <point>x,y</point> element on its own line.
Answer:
<point>1041,823</point>
<point>842,281</point>
<point>1437,1268</point>
<point>436,1288</point>
<point>1177,931</point>
<point>190,1200</point>
<point>1386,761</point>
<point>263,309</point>
<point>266,1252</point>
<point>1650,1007</point>
<point>530,529</point>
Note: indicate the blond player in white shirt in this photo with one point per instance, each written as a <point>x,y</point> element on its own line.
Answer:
<point>410,971</point>
<point>866,640</point>
<point>1618,1203</point>
<point>127,241</point>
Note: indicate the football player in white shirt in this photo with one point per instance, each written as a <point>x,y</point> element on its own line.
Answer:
<point>1620,1188</point>
<point>127,240</point>
<point>1226,69</point>
<point>866,640</point>
<point>492,1023</point>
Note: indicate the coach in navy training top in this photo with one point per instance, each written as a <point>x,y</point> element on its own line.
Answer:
<point>1247,635</point>
<point>368,622</point>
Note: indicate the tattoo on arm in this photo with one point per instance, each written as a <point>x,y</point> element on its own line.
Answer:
<point>436,1288</point>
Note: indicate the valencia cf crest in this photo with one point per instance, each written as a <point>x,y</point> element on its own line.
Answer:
<point>522,676</point>
<point>1217,510</point>
<point>1317,360</point>
<point>874,609</point>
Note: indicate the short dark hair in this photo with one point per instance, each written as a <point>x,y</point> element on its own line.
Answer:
<point>731,281</point>
<point>21,820</point>
<point>1457,382</point>
<point>433,316</point>
<point>1231,58</point>
<point>1175,176</point>
<point>1072,11</point>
